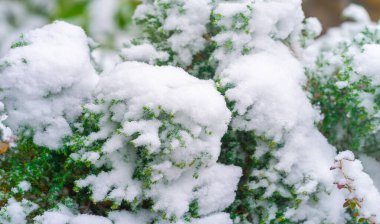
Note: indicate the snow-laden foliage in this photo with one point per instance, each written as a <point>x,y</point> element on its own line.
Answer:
<point>343,72</point>
<point>181,26</point>
<point>251,51</point>
<point>153,149</point>
<point>343,80</point>
<point>161,145</point>
<point>16,212</point>
<point>43,86</point>
<point>221,112</point>
<point>283,183</point>
<point>362,198</point>
<point>6,134</point>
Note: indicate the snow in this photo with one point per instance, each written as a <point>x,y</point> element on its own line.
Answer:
<point>197,115</point>
<point>47,81</point>
<point>176,121</point>
<point>345,155</point>
<point>89,219</point>
<point>186,20</point>
<point>64,215</point>
<point>363,186</point>
<point>336,36</point>
<point>126,217</point>
<point>144,53</point>
<point>367,62</point>
<point>169,90</point>
<point>274,88</point>
<point>372,167</point>
<point>267,91</point>
<point>220,218</point>
<point>15,212</point>
<point>281,20</point>
<point>277,18</point>
<point>356,13</point>
<point>6,132</point>
<point>213,192</point>
<point>192,24</point>
<point>230,9</point>
<point>312,24</point>
<point>342,84</point>
<point>143,217</point>
<point>61,215</point>
<point>119,179</point>
<point>355,40</point>
<point>53,218</point>
<point>149,133</point>
<point>23,186</point>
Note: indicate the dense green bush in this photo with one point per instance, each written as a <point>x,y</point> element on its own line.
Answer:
<point>216,112</point>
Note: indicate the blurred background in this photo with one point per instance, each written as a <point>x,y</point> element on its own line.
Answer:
<point>104,20</point>
<point>329,11</point>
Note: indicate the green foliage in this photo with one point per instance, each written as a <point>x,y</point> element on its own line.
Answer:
<point>347,122</point>
<point>262,195</point>
<point>19,44</point>
<point>253,205</point>
<point>50,173</point>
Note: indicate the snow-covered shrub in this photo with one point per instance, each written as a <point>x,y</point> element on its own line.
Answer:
<point>43,86</point>
<point>344,80</point>
<point>250,48</point>
<point>160,140</point>
<point>208,119</point>
<point>43,90</point>
<point>131,147</point>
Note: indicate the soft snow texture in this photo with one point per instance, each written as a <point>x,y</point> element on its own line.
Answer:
<point>160,129</point>
<point>179,120</point>
<point>336,36</point>
<point>367,62</point>
<point>351,173</point>
<point>348,55</point>
<point>16,212</point>
<point>64,215</point>
<point>270,100</point>
<point>45,80</point>
<point>144,53</point>
<point>266,87</point>
<point>245,22</point>
<point>356,13</point>
<point>187,21</point>
<point>5,132</point>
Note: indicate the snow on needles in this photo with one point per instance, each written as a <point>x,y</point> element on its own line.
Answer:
<point>47,76</point>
